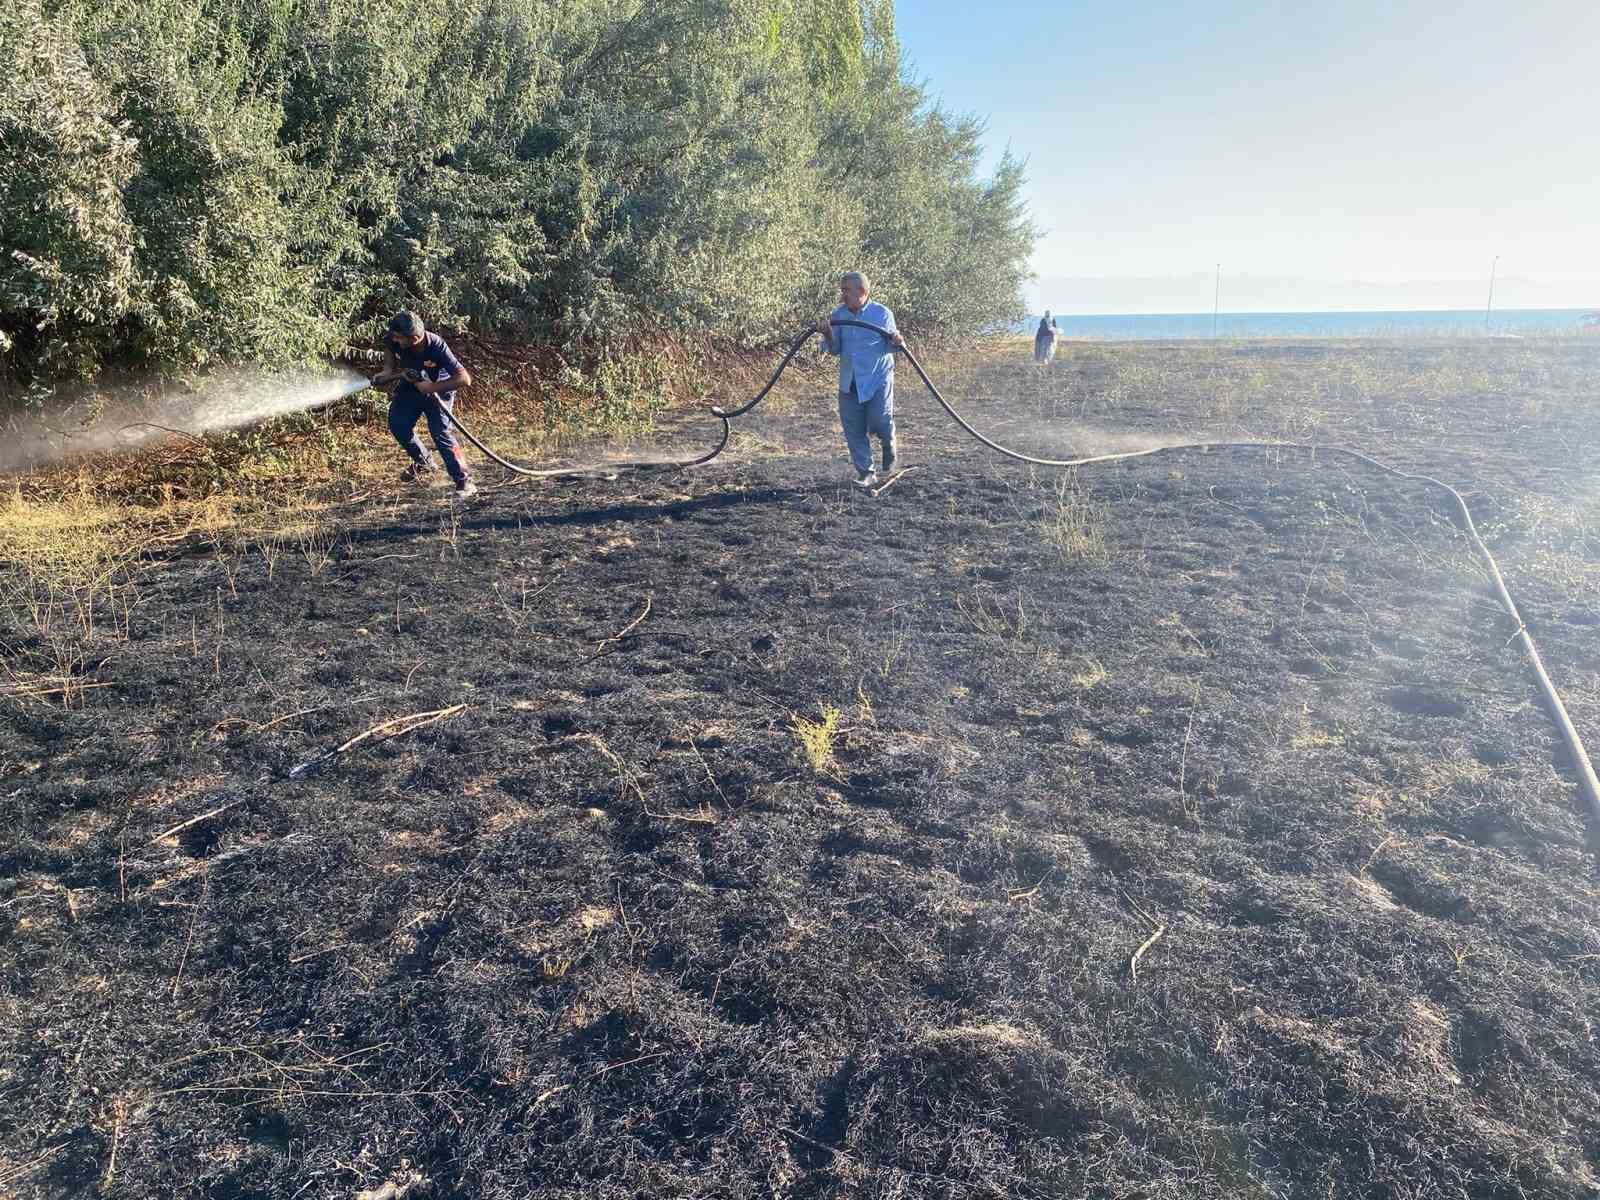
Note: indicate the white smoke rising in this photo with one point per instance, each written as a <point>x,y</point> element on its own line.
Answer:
<point>221,400</point>
<point>1071,440</point>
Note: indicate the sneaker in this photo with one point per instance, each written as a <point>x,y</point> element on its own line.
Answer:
<point>465,488</point>
<point>866,479</point>
<point>888,460</point>
<point>422,474</point>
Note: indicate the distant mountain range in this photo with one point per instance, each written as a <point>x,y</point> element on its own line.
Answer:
<point>1287,293</point>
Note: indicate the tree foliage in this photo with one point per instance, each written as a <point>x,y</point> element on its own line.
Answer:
<point>190,181</point>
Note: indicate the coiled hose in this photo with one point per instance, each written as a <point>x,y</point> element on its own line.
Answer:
<point>1588,784</point>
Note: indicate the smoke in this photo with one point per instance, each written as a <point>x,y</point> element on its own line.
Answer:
<point>1083,441</point>
<point>221,400</point>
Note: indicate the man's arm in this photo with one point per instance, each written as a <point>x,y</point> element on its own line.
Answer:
<point>894,333</point>
<point>825,328</point>
<point>448,384</point>
<point>458,377</point>
<point>389,377</point>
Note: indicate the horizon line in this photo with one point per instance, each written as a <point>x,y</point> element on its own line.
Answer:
<point>1246,312</point>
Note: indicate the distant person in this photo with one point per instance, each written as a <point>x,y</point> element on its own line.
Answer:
<point>866,375</point>
<point>1044,341</point>
<point>421,374</point>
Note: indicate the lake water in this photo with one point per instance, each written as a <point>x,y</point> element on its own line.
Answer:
<point>1444,323</point>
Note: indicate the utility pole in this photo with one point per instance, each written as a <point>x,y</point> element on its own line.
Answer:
<point>1489,304</point>
<point>1216,298</point>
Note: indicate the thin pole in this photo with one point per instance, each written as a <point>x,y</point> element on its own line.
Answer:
<point>1216,298</point>
<point>1490,303</point>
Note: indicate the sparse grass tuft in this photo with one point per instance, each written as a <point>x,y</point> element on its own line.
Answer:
<point>1074,524</point>
<point>1309,737</point>
<point>993,616</point>
<point>66,565</point>
<point>1088,673</point>
<point>817,739</point>
<point>317,546</point>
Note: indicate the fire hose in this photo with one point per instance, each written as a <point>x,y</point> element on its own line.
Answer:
<point>1588,784</point>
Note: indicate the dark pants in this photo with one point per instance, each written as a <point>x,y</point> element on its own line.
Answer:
<point>404,409</point>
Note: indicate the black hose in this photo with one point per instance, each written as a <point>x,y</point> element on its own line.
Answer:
<point>682,464</point>
<point>1588,784</point>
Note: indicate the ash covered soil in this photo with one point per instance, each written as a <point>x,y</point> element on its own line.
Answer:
<point>1182,827</point>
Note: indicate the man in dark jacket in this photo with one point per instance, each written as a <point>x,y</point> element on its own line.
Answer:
<point>1044,340</point>
<point>422,375</point>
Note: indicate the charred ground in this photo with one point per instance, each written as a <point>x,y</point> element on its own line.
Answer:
<point>770,840</point>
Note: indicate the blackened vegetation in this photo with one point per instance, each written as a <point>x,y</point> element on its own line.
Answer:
<point>605,932</point>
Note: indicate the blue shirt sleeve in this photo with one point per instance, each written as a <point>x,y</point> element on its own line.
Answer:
<point>834,342</point>
<point>448,360</point>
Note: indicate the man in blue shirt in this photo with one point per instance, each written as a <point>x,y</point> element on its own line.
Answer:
<point>866,375</point>
<point>423,374</point>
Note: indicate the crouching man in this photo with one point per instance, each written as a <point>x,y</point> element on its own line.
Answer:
<point>866,375</point>
<point>422,375</point>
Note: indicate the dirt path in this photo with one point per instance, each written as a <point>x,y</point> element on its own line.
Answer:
<point>592,923</point>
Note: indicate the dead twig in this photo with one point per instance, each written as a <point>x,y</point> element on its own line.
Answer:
<point>706,767</point>
<point>706,816</point>
<point>563,743</point>
<point>1159,930</point>
<point>280,720</point>
<point>394,727</point>
<point>68,689</point>
<point>1016,895</point>
<point>310,954</point>
<point>624,774</point>
<point>182,825</point>
<point>600,647</point>
<point>1133,965</point>
<point>276,721</point>
<point>205,886</point>
<point>547,1093</point>
<point>1183,758</point>
<point>396,1189</point>
<point>812,1142</point>
<point>14,1174</point>
<point>357,562</point>
<point>891,481</point>
<point>630,1063</point>
<point>110,1174</point>
<point>198,441</point>
<point>562,1087</point>
<point>1373,857</point>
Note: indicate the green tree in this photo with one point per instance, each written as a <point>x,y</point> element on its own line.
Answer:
<point>66,239</point>
<point>192,181</point>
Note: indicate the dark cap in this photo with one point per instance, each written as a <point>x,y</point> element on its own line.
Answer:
<point>407,324</point>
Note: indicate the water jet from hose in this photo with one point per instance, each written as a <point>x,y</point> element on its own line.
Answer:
<point>122,420</point>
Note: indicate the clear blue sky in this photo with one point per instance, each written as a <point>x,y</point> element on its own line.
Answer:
<point>1334,141</point>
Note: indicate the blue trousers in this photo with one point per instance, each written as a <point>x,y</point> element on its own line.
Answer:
<point>875,417</point>
<point>404,409</point>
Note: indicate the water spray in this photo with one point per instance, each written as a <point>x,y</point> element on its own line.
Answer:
<point>221,400</point>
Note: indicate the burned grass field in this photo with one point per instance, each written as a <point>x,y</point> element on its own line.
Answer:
<point>1182,827</point>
